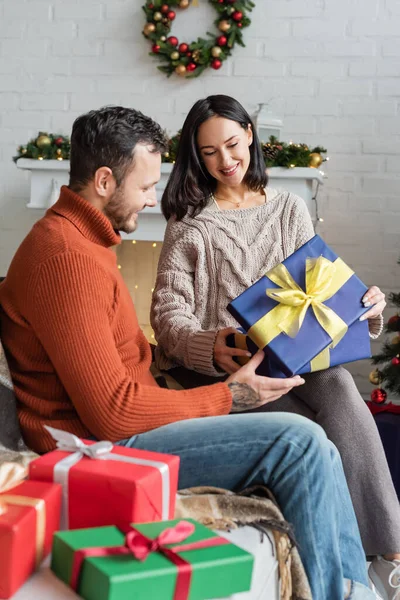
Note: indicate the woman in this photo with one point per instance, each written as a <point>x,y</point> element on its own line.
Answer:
<point>225,229</point>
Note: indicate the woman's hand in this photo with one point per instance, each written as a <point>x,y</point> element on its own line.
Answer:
<point>376,299</point>
<point>223,354</point>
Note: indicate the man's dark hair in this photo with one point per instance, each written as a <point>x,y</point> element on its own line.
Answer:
<point>107,137</point>
<point>190,184</point>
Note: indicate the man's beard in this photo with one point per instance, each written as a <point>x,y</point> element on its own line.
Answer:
<point>119,217</point>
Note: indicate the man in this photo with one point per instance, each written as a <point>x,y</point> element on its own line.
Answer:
<point>80,362</point>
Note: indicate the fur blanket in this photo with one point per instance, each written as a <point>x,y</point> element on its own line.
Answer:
<point>224,510</point>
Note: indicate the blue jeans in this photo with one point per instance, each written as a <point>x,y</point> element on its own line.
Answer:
<point>293,457</point>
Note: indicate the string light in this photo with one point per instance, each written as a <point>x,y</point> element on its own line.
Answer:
<point>119,266</point>
<point>136,287</point>
<point>133,241</point>
<point>154,245</point>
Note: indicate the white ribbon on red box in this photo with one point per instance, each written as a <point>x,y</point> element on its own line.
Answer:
<point>68,442</point>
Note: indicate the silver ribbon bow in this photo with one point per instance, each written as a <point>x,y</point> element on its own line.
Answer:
<point>68,442</point>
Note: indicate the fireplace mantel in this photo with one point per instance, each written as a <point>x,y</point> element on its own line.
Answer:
<point>47,176</point>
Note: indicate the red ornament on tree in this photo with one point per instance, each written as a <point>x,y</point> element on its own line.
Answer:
<point>173,40</point>
<point>183,48</point>
<point>220,1</point>
<point>189,54</point>
<point>378,396</point>
<point>191,67</point>
<point>164,8</point>
<point>216,64</point>
<point>59,141</point>
<point>155,48</point>
<point>237,15</point>
<point>171,15</point>
<point>394,323</point>
<point>395,361</point>
<point>222,40</point>
<point>151,6</point>
<point>239,25</point>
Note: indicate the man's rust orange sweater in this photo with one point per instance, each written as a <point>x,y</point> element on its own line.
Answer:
<point>78,358</point>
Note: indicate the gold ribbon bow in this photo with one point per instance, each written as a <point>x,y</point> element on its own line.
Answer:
<point>323,280</point>
<point>40,507</point>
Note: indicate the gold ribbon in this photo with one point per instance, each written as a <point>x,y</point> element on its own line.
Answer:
<point>40,507</point>
<point>323,280</point>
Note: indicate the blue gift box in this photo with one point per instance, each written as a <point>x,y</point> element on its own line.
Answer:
<point>355,346</point>
<point>293,355</point>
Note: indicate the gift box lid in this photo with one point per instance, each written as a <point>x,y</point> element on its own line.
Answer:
<point>217,571</point>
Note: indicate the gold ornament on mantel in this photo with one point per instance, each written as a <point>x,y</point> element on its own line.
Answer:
<point>224,26</point>
<point>216,51</point>
<point>43,140</point>
<point>149,28</point>
<point>375,377</point>
<point>180,70</point>
<point>59,154</point>
<point>316,160</point>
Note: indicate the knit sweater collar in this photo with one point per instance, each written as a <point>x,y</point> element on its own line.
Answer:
<point>92,224</point>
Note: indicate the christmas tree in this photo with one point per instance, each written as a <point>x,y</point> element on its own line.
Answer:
<point>389,374</point>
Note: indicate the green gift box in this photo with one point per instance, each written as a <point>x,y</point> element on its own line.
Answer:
<point>148,561</point>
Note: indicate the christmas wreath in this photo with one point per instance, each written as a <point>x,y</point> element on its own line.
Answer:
<point>190,59</point>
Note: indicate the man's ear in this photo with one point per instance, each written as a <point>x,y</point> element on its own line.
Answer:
<point>104,182</point>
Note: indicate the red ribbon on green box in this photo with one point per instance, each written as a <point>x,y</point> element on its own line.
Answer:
<point>140,546</point>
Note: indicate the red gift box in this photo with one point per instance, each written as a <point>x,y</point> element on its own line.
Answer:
<point>29,515</point>
<point>106,485</point>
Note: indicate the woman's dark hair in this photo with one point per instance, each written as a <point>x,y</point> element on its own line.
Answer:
<point>190,184</point>
<point>107,138</point>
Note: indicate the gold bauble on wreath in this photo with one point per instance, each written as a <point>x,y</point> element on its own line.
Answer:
<point>375,377</point>
<point>175,55</point>
<point>196,54</point>
<point>149,28</point>
<point>224,26</point>
<point>216,51</point>
<point>180,70</point>
<point>157,16</point>
<point>396,340</point>
<point>315,160</point>
<point>184,3</point>
<point>43,140</point>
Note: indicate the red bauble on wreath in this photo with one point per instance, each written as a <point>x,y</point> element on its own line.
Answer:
<point>378,396</point>
<point>196,56</point>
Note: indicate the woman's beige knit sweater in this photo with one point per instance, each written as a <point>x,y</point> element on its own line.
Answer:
<point>208,261</point>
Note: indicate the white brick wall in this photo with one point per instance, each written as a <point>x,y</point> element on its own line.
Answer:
<point>330,68</point>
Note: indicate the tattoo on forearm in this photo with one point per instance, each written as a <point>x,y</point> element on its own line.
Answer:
<point>243,396</point>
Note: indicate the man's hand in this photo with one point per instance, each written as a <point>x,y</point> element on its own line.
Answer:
<point>223,354</point>
<point>252,391</point>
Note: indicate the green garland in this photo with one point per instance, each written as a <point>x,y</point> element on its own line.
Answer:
<point>190,59</point>
<point>281,154</point>
<point>45,147</point>
<point>276,154</point>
